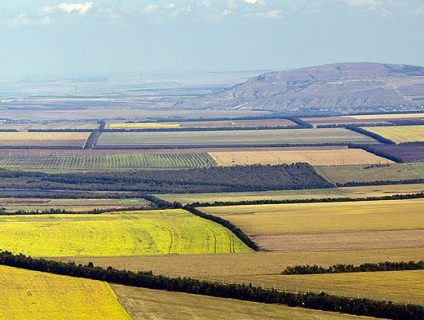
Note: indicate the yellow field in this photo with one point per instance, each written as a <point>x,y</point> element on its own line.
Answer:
<point>268,219</point>
<point>116,234</point>
<point>349,192</point>
<point>388,116</point>
<point>36,295</point>
<point>399,134</point>
<point>153,304</point>
<point>320,157</point>
<point>142,125</point>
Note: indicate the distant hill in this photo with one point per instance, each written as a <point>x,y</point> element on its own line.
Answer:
<point>340,88</point>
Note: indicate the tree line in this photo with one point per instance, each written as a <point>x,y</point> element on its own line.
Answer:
<point>369,134</point>
<point>318,301</point>
<point>346,268</point>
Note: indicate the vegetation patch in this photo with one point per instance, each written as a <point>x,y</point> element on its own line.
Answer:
<point>116,234</point>
<point>38,295</point>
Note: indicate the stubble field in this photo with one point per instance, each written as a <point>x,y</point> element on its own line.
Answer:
<point>43,139</point>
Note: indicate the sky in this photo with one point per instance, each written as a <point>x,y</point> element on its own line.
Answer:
<point>48,37</point>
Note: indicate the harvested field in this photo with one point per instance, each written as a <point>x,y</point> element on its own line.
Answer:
<point>390,116</point>
<point>74,205</point>
<point>136,233</point>
<point>232,138</point>
<point>37,295</point>
<point>329,226</point>
<point>64,126</point>
<point>345,192</point>
<point>314,157</point>
<point>43,139</point>
<point>142,125</point>
<point>408,153</point>
<point>399,134</point>
<point>99,162</point>
<point>154,304</point>
<point>316,121</point>
<point>367,174</point>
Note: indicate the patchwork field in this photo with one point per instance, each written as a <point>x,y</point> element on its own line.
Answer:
<point>399,134</point>
<point>36,295</point>
<point>104,162</point>
<point>344,192</point>
<point>74,205</point>
<point>329,226</point>
<point>116,234</point>
<point>315,157</point>
<point>202,124</point>
<point>43,139</point>
<point>231,138</point>
<point>154,304</point>
<point>391,172</point>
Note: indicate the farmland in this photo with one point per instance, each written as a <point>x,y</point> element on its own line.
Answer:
<point>389,116</point>
<point>400,134</point>
<point>344,192</point>
<point>35,295</point>
<point>104,162</point>
<point>231,138</point>
<point>408,153</point>
<point>202,124</point>
<point>153,304</point>
<point>341,120</point>
<point>74,205</point>
<point>366,174</point>
<point>136,233</point>
<point>327,226</point>
<point>315,157</point>
<point>43,139</point>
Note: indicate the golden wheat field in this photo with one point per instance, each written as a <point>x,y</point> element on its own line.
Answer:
<point>116,234</point>
<point>142,125</point>
<point>400,134</point>
<point>37,295</point>
<point>153,304</point>
<point>320,157</point>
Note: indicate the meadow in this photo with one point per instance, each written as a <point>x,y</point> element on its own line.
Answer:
<point>104,162</point>
<point>315,157</point>
<point>342,192</point>
<point>231,138</point>
<point>359,173</point>
<point>116,234</point>
<point>153,304</point>
<point>36,295</point>
<point>74,205</point>
<point>329,226</point>
<point>43,139</point>
<point>399,134</point>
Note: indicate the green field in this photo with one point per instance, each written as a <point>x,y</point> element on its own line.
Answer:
<point>232,138</point>
<point>74,205</point>
<point>391,172</point>
<point>104,162</point>
<point>345,192</point>
<point>153,304</point>
<point>117,234</point>
<point>35,295</point>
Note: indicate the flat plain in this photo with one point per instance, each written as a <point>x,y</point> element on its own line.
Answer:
<point>315,157</point>
<point>43,139</point>
<point>400,134</point>
<point>329,226</point>
<point>359,173</point>
<point>36,295</point>
<point>232,138</point>
<point>116,234</point>
<point>153,304</point>
<point>343,192</point>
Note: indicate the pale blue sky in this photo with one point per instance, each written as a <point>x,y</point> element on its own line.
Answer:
<point>132,36</point>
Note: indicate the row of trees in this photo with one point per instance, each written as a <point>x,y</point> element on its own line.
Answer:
<point>377,152</point>
<point>365,267</point>
<point>369,134</point>
<point>321,301</point>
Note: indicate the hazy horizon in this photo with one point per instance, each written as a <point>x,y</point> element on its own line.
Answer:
<point>111,37</point>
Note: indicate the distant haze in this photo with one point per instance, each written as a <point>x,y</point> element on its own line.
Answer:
<point>47,37</point>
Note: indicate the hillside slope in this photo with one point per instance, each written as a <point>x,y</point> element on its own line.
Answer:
<point>341,87</point>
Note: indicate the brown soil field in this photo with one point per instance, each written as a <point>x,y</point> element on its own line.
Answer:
<point>342,241</point>
<point>320,157</point>
<point>150,304</point>
<point>408,153</point>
